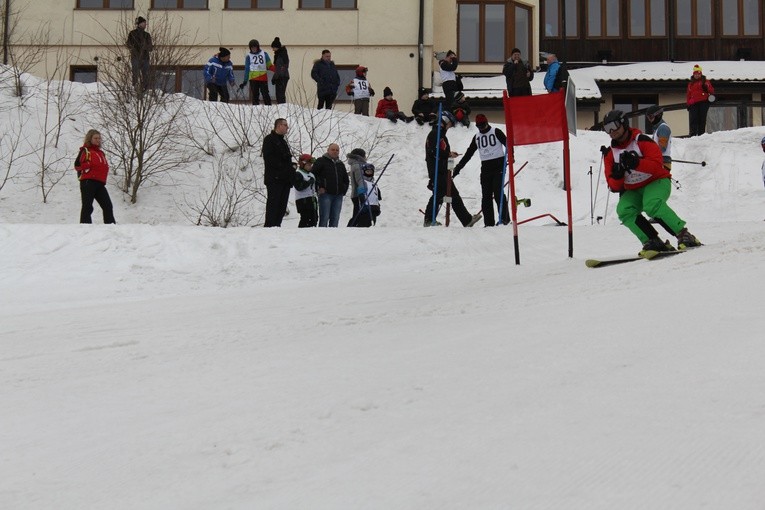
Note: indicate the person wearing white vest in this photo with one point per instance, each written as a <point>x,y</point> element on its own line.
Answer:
<point>448,71</point>
<point>490,143</point>
<point>361,91</point>
<point>305,192</point>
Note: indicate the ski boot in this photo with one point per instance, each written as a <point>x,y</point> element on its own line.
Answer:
<point>686,240</point>
<point>476,217</point>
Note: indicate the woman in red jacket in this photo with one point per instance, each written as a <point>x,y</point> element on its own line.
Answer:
<point>92,170</point>
<point>698,96</point>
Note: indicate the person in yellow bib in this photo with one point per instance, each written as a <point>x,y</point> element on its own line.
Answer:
<point>257,63</point>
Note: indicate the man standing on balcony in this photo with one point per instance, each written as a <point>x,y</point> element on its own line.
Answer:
<point>140,45</point>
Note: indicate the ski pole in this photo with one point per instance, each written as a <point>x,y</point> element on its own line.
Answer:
<point>502,190</point>
<point>435,178</point>
<point>702,163</point>
<point>592,204</point>
<point>374,186</point>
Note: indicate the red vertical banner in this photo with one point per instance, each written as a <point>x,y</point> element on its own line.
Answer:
<point>537,119</point>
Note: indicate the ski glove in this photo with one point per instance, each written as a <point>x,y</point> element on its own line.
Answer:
<point>430,184</point>
<point>617,172</point>
<point>604,150</point>
<point>629,160</point>
<point>241,85</point>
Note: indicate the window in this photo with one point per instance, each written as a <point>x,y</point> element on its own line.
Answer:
<point>105,4</point>
<point>554,21</point>
<point>648,18</point>
<point>327,4</point>
<point>740,17</point>
<point>488,29</point>
<point>603,18</point>
<point>179,4</point>
<point>347,73</point>
<point>83,74</point>
<point>253,4</point>
<point>694,18</point>
<point>629,104</point>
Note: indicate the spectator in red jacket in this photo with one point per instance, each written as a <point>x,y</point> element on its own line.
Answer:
<point>92,170</point>
<point>698,96</point>
<point>387,108</point>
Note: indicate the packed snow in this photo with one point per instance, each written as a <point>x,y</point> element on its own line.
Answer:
<point>157,364</point>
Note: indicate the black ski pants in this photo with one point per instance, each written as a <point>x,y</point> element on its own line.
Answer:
<point>458,206</point>
<point>308,210</point>
<point>492,190</point>
<point>95,190</point>
<point>257,88</point>
<point>277,197</point>
<point>214,91</point>
<point>697,118</point>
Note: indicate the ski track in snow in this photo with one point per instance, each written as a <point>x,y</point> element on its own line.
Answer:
<point>157,365</point>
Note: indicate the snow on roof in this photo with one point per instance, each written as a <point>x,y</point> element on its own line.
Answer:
<point>587,78</point>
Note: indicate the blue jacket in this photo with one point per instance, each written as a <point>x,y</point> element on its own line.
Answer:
<point>219,72</point>
<point>326,77</point>
<point>552,72</point>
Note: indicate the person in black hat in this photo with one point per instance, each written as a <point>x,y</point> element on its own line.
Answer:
<point>387,108</point>
<point>491,143</point>
<point>281,70</point>
<point>219,73</point>
<point>140,46</point>
<point>424,108</point>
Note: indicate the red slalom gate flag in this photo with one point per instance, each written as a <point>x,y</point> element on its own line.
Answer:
<point>536,119</point>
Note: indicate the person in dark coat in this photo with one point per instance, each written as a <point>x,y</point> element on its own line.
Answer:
<point>424,109</point>
<point>327,79</point>
<point>518,75</point>
<point>332,181</point>
<point>278,173</point>
<point>281,70</point>
<point>140,46</point>
<point>440,151</point>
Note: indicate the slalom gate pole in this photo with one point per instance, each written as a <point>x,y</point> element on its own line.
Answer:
<point>374,186</point>
<point>592,204</point>
<point>438,154</point>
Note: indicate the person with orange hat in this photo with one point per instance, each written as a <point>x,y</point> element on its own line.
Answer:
<point>699,94</point>
<point>490,142</point>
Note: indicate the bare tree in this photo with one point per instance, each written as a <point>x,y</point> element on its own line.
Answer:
<point>144,126</point>
<point>228,202</point>
<point>53,161</point>
<point>25,48</point>
<point>10,146</point>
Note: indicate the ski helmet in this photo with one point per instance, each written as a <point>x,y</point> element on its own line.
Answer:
<point>762,142</point>
<point>361,70</point>
<point>448,117</point>
<point>654,114</point>
<point>305,159</point>
<point>368,169</point>
<point>613,120</point>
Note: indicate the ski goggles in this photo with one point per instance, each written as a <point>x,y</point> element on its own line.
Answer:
<point>610,127</point>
